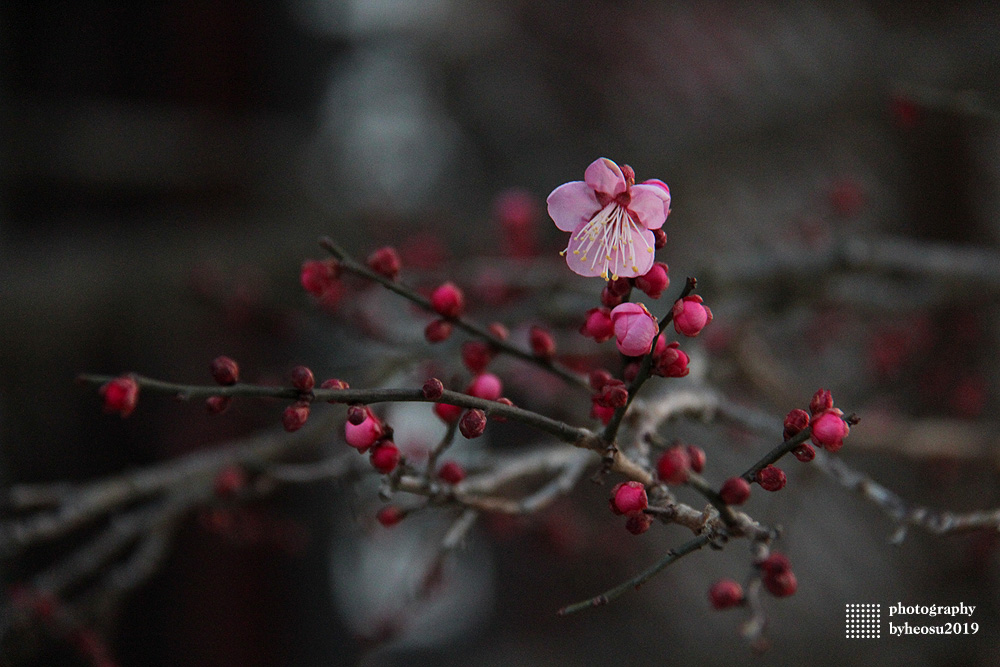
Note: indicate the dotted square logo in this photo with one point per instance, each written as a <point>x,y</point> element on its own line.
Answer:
<point>864,621</point>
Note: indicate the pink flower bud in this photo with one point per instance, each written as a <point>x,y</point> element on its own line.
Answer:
<point>690,315</point>
<point>486,386</point>
<point>303,378</point>
<point>673,362</point>
<point>821,400</point>
<point>795,422</point>
<point>473,423</point>
<point>654,281</point>
<point>433,389</point>
<point>829,429</point>
<point>385,262</point>
<point>319,276</point>
<point>448,413</point>
<point>674,465</point>
<point>735,491</point>
<point>451,472</point>
<point>389,516</point>
<point>438,331</point>
<point>629,497</point>
<point>660,238</point>
<point>384,456</point>
<point>697,455</point>
<point>367,433</point>
<point>804,453</point>
<point>598,325</point>
<point>725,593</point>
<point>771,478</point>
<point>635,329</point>
<point>216,405</point>
<point>120,395</point>
<point>448,300</point>
<point>542,344</point>
<point>225,371</point>
<point>638,523</point>
<point>477,355</point>
<point>295,416</point>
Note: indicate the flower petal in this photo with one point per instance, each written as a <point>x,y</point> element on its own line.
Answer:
<point>572,204</point>
<point>605,176</point>
<point>584,255</point>
<point>636,255</point>
<point>650,203</point>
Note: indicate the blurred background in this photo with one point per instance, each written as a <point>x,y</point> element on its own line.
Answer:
<point>166,167</point>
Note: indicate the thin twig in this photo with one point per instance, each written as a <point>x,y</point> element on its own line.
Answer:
<point>353,266</point>
<point>671,557</point>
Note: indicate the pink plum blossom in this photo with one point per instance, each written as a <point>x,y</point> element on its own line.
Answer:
<point>611,220</point>
<point>635,328</point>
<point>691,315</point>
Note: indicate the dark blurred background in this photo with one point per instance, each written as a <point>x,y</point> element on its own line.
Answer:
<point>166,166</point>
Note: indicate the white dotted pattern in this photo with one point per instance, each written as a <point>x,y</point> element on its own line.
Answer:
<point>864,621</point>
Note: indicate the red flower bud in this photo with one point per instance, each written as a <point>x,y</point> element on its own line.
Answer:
<point>225,371</point>
<point>319,276</point>
<point>543,345</point>
<point>598,378</point>
<point>216,405</point>
<point>477,355</point>
<point>674,465</point>
<point>821,400</point>
<point>613,395</point>
<point>334,383</point>
<point>672,363</point>
<point>804,453</point>
<point>357,414</point>
<point>505,401</point>
<point>609,299</point>
<point>384,456</point>
<point>498,330</point>
<point>295,416</point>
<point>660,238</point>
<point>654,281</point>
<point>735,491</point>
<point>229,481</point>
<point>385,262</point>
<point>120,395</point>
<point>697,455</point>
<point>389,516</point>
<point>302,378</point>
<point>602,412</point>
<point>447,413</point>
<point>638,523</point>
<point>451,472</point>
<point>437,331</point>
<point>777,575</point>
<point>725,593</point>
<point>771,478</point>
<point>473,423</point>
<point>448,300</point>
<point>433,389</point>
<point>795,422</point>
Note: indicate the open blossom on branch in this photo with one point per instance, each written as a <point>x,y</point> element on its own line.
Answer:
<point>611,220</point>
